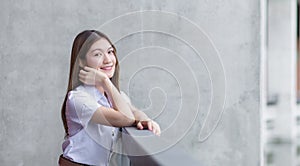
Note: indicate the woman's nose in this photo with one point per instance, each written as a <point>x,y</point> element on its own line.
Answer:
<point>107,58</point>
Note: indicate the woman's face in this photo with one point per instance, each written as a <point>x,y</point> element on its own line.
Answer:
<point>101,56</point>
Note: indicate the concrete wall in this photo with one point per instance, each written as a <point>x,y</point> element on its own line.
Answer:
<point>179,70</point>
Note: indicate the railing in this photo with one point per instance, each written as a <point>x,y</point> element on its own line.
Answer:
<point>142,148</point>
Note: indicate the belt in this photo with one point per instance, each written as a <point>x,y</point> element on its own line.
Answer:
<point>66,162</point>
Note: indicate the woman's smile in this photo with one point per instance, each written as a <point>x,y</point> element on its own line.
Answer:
<point>106,68</point>
<point>101,56</point>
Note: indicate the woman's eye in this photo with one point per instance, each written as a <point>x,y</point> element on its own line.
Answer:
<point>98,54</point>
<point>110,52</point>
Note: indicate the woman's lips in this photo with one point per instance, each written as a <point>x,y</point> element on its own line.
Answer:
<point>106,68</point>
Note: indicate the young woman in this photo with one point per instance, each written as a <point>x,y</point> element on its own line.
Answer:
<point>94,108</point>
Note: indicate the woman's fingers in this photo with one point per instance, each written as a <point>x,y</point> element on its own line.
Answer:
<point>159,131</point>
<point>156,128</point>
<point>81,76</point>
<point>92,76</point>
<point>83,72</point>
<point>151,125</point>
<point>139,125</point>
<point>87,76</point>
<point>88,68</point>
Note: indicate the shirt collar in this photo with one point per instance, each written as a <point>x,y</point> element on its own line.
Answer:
<point>93,91</point>
<point>98,96</point>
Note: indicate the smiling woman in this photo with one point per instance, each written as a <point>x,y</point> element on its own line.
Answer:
<point>101,56</point>
<point>94,107</point>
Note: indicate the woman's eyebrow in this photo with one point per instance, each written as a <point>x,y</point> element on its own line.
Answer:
<point>101,49</point>
<point>97,49</point>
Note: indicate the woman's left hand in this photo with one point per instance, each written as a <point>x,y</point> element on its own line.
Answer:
<point>150,125</point>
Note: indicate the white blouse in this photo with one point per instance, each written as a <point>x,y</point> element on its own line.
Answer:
<point>87,143</point>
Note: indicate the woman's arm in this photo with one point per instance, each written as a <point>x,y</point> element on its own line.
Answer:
<point>120,115</point>
<point>111,117</point>
<point>142,120</point>
<point>117,100</point>
<point>123,113</point>
<point>138,115</point>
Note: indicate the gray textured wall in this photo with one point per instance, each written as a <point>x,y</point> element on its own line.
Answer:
<point>174,63</point>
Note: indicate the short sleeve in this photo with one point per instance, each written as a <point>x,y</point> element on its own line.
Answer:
<point>82,105</point>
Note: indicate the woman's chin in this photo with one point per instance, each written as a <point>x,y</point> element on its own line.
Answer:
<point>109,75</point>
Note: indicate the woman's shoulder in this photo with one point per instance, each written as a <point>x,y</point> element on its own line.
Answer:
<point>78,91</point>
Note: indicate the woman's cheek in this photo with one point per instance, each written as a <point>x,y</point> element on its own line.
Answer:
<point>95,63</point>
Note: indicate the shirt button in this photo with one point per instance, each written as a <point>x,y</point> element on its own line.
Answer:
<point>112,133</point>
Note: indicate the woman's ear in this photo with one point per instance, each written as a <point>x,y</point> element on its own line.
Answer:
<point>81,63</point>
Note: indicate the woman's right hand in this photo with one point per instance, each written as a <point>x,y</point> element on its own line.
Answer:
<point>91,76</point>
<point>150,125</point>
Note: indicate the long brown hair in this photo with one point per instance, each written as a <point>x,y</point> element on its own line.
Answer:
<point>81,44</point>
